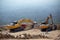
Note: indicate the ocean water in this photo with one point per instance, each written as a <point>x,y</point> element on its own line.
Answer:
<point>38,10</point>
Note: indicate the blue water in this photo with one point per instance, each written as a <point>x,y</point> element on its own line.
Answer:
<point>11,10</point>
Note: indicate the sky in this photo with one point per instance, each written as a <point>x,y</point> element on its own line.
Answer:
<point>11,10</point>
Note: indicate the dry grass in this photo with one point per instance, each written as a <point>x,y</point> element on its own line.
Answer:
<point>22,36</point>
<point>31,34</point>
